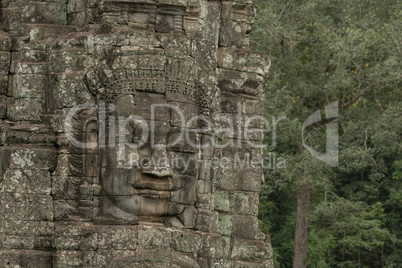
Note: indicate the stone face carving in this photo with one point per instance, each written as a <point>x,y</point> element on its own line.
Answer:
<point>111,134</point>
<point>138,176</point>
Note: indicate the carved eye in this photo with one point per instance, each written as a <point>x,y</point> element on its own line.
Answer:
<point>182,140</point>
<point>139,132</point>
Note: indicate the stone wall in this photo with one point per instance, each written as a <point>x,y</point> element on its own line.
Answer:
<point>65,205</point>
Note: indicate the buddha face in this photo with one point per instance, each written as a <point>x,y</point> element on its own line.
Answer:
<point>149,164</point>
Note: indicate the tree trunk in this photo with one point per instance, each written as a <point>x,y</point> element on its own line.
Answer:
<point>301,233</point>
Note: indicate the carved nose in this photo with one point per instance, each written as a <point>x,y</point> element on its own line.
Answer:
<point>158,165</point>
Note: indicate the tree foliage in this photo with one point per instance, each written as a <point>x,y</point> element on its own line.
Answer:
<point>324,51</point>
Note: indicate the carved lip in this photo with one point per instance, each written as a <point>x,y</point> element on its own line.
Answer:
<point>150,193</point>
<point>150,182</point>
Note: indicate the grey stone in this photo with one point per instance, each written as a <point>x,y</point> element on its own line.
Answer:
<point>122,198</point>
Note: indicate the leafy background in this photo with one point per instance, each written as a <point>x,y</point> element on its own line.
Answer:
<point>324,51</point>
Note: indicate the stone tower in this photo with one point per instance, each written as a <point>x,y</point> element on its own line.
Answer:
<point>125,134</point>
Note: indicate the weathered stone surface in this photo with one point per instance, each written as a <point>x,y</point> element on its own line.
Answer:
<point>186,242</point>
<point>238,179</point>
<point>33,12</point>
<point>28,157</point>
<point>25,258</point>
<point>112,131</point>
<point>28,181</point>
<point>71,258</point>
<point>108,258</point>
<point>250,250</point>
<point>215,246</point>
<point>111,238</point>
<point>3,106</point>
<point>26,207</point>
<point>83,237</point>
<point>4,62</point>
<point>247,227</point>
<point>153,236</point>
<point>27,109</point>
<point>30,134</point>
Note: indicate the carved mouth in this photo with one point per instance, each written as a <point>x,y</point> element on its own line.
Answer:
<point>154,194</point>
<point>152,185</point>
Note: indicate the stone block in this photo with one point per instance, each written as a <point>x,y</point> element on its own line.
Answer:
<point>206,220</point>
<point>26,207</point>
<point>249,250</point>
<point>109,258</point>
<point>215,246</point>
<point>5,42</point>
<point>25,258</point>
<point>27,110</point>
<point>182,46</point>
<point>26,234</point>
<point>63,60</point>
<point>154,236</point>
<point>5,62</point>
<point>17,242</point>
<point>192,27</point>
<point>39,68</point>
<point>225,224</point>
<point>240,179</point>
<point>29,55</point>
<point>30,134</point>
<point>239,151</point>
<point>28,181</point>
<point>82,237</point>
<point>74,6</point>
<point>78,20</point>
<point>179,259</point>
<point>221,201</point>
<point>211,30</point>
<point>3,106</point>
<point>232,104</point>
<point>29,86</point>
<point>247,227</point>
<point>205,53</point>
<point>26,228</point>
<point>246,264</point>
<point>205,201</point>
<point>158,257</point>
<point>4,84</point>
<point>70,258</point>
<point>257,63</point>
<point>231,59</point>
<point>240,39</point>
<point>33,12</point>
<point>225,37</point>
<point>28,157</point>
<point>67,93</point>
<point>188,242</point>
<point>117,237</point>
<point>243,203</point>
<point>39,32</point>
<point>66,210</point>
<point>204,187</point>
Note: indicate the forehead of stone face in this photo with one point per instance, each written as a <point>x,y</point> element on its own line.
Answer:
<point>152,106</point>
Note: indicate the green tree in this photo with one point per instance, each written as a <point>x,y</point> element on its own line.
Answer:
<point>324,51</point>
